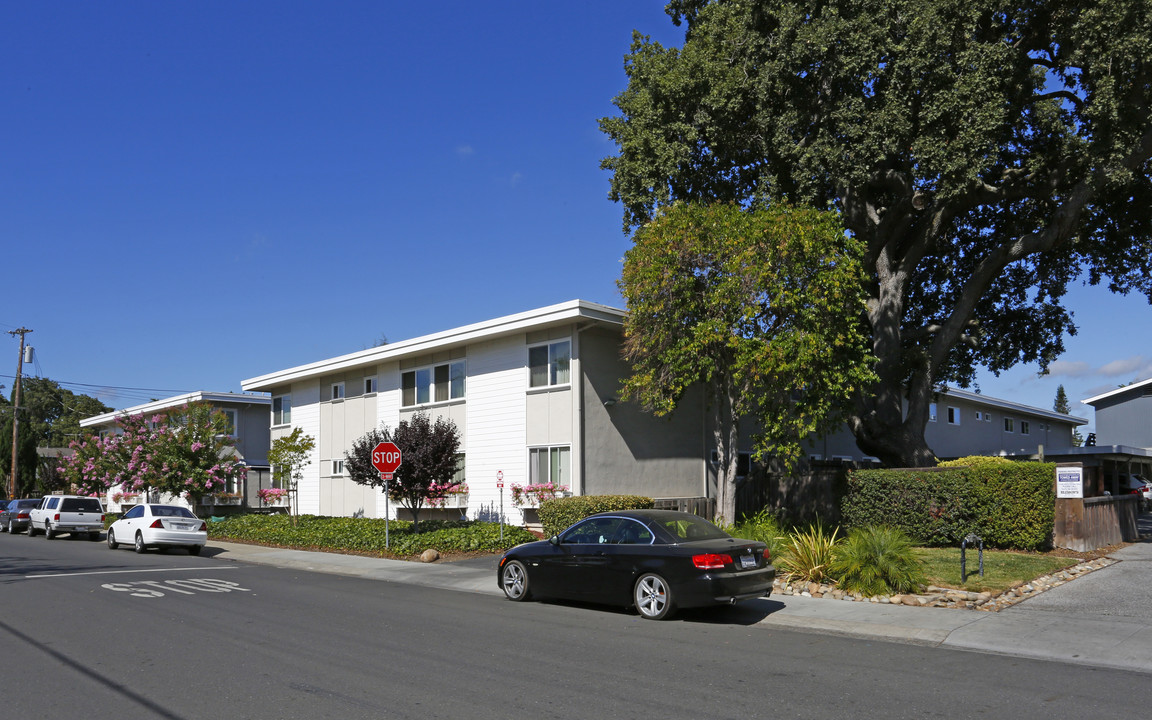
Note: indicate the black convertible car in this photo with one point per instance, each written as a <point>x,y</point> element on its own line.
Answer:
<point>654,560</point>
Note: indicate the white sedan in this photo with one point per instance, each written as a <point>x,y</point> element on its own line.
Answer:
<point>160,526</point>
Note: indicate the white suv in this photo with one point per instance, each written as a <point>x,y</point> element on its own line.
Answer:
<point>67,514</point>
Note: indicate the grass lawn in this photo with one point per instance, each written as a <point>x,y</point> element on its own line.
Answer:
<point>1002,569</point>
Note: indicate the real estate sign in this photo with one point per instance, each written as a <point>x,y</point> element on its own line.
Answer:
<point>1069,481</point>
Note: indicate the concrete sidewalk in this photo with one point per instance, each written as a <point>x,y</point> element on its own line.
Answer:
<point>1102,619</point>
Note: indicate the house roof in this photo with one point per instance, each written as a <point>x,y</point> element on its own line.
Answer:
<point>1118,391</point>
<point>567,312</point>
<point>216,398</point>
<point>1011,406</point>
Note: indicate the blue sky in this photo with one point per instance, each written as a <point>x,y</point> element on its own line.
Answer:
<point>192,194</point>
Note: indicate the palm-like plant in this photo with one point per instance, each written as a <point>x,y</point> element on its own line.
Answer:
<point>808,555</point>
<point>876,560</point>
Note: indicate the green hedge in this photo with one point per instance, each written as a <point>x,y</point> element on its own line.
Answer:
<point>1008,504</point>
<point>559,513</point>
<point>368,534</point>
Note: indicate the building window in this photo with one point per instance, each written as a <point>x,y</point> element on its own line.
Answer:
<point>438,383</point>
<point>369,385</point>
<point>282,410</point>
<point>1008,424</point>
<point>230,416</point>
<point>459,476</point>
<point>549,465</point>
<point>979,416</point>
<point>1024,429</point>
<point>743,462</point>
<point>337,467</point>
<point>931,412</point>
<point>953,416</point>
<point>549,364</point>
<point>337,391</point>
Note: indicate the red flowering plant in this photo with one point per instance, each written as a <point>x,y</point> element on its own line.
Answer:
<point>534,494</point>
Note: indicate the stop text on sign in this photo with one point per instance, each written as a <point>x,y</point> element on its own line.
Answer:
<point>386,457</point>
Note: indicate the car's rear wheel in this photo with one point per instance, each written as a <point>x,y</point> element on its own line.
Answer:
<point>514,580</point>
<point>194,549</point>
<point>48,531</point>
<point>653,597</point>
<point>112,544</point>
<point>31,529</point>
<point>11,528</point>
<point>139,546</point>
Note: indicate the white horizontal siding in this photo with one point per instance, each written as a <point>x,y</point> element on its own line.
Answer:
<point>496,425</point>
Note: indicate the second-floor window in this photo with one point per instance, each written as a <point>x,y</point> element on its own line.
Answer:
<point>1009,425</point>
<point>337,391</point>
<point>369,385</point>
<point>231,415</point>
<point>953,416</point>
<point>1024,429</point>
<point>281,409</point>
<point>437,383</point>
<point>549,364</point>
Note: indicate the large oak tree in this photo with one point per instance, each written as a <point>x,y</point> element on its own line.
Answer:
<point>987,153</point>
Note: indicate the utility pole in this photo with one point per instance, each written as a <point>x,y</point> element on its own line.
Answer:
<point>16,407</point>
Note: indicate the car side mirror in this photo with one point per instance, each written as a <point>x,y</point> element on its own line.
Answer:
<point>555,539</point>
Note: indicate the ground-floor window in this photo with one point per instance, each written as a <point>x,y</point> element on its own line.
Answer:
<point>549,464</point>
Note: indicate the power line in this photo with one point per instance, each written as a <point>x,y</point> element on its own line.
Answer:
<point>108,387</point>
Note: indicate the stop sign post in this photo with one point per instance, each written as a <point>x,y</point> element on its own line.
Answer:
<point>386,458</point>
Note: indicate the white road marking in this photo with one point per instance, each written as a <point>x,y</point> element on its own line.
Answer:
<point>118,572</point>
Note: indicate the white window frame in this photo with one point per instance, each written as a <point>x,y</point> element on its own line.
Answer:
<point>336,391</point>
<point>282,416</point>
<point>370,385</point>
<point>565,473</point>
<point>953,415</point>
<point>552,369</point>
<point>1009,425</point>
<point>424,383</point>
<point>337,468</point>
<point>979,415</point>
<point>234,418</point>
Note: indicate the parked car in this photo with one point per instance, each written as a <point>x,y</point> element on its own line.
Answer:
<point>14,514</point>
<point>159,526</point>
<point>75,514</point>
<point>653,560</point>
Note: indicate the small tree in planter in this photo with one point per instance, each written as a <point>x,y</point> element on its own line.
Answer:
<point>428,470</point>
<point>289,455</point>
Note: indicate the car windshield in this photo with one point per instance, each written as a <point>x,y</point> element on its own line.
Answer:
<point>26,504</point>
<point>81,505</point>
<point>171,511</point>
<point>691,528</point>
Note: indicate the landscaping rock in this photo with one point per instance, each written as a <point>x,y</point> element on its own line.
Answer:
<point>429,555</point>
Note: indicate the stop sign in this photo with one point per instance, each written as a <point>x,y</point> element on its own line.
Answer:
<point>386,457</point>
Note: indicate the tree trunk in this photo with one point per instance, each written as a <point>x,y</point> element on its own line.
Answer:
<point>726,434</point>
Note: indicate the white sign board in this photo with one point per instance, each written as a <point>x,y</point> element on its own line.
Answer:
<point>1069,482</point>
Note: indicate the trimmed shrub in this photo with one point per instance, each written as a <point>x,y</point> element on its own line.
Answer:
<point>1009,504</point>
<point>558,514</point>
<point>877,561</point>
<point>368,534</point>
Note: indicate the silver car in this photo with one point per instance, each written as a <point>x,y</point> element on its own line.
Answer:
<point>14,514</point>
<point>159,526</point>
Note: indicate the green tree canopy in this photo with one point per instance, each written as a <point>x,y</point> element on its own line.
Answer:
<point>764,309</point>
<point>987,153</point>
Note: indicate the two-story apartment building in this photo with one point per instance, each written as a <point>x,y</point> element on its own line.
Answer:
<point>248,420</point>
<point>534,396</point>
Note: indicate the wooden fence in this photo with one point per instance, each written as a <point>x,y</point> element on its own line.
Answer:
<point>1085,524</point>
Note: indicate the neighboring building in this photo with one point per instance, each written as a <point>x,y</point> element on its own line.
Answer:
<point>1122,443</point>
<point>534,396</point>
<point>962,423</point>
<point>248,415</point>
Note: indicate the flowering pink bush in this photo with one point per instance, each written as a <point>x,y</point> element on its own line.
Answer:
<point>438,493</point>
<point>536,494</point>
<point>271,495</point>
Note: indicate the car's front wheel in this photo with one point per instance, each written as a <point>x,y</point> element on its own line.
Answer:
<point>514,580</point>
<point>112,544</point>
<point>48,531</point>
<point>139,546</point>
<point>653,597</point>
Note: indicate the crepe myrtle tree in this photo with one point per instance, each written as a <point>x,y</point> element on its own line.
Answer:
<point>186,452</point>
<point>763,309</point>
<point>428,450</point>
<point>987,153</point>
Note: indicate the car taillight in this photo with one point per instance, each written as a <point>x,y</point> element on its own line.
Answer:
<point>711,561</point>
<point>56,516</point>
<point>22,516</point>
<point>203,526</point>
<point>156,524</point>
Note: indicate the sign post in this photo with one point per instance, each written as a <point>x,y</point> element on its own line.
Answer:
<point>386,458</point>
<point>500,487</point>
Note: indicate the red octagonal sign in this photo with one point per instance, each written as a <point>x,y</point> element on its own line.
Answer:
<point>386,457</point>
